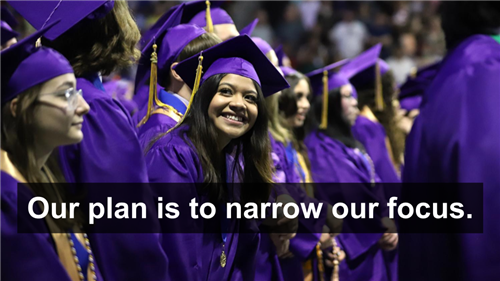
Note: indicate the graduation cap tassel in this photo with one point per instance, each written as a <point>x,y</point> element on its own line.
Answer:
<point>197,80</point>
<point>210,25</point>
<point>379,99</point>
<point>152,86</point>
<point>324,113</point>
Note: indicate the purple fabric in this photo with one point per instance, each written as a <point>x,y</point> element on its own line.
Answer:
<point>25,60</point>
<point>262,44</point>
<point>8,17</point>
<point>219,16</point>
<point>287,70</point>
<point>455,139</point>
<point>247,30</point>
<point>372,136</point>
<point>70,13</point>
<point>31,256</point>
<point>413,89</point>
<point>361,69</point>
<point>240,56</point>
<point>118,89</point>
<point>410,103</point>
<point>6,32</point>
<point>195,255</point>
<point>149,34</point>
<point>110,152</point>
<point>335,80</point>
<point>280,54</point>
<point>156,124</point>
<point>333,162</point>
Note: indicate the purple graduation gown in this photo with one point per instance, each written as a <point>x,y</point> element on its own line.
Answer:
<point>304,243</point>
<point>110,153</point>
<point>196,255</point>
<point>372,136</point>
<point>160,122</point>
<point>333,162</point>
<point>456,139</point>
<point>27,256</point>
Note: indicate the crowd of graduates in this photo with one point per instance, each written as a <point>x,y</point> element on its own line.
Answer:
<point>216,106</point>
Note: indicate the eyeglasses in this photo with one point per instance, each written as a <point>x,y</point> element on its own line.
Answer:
<point>66,100</point>
<point>349,96</point>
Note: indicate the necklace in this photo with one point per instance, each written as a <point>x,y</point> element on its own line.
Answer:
<point>77,261</point>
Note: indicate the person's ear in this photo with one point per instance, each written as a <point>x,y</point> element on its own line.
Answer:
<point>174,73</point>
<point>13,106</point>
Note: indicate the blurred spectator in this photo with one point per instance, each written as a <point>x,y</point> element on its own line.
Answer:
<point>291,28</point>
<point>263,28</point>
<point>349,35</point>
<point>309,12</point>
<point>402,63</point>
<point>381,32</point>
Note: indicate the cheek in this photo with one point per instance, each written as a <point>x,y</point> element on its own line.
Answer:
<point>215,107</point>
<point>253,113</point>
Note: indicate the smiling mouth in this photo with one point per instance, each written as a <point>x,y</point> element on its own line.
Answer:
<point>77,123</point>
<point>233,118</point>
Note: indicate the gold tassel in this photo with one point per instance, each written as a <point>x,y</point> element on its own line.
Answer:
<point>336,262</point>
<point>210,26</point>
<point>379,99</point>
<point>38,42</point>
<point>152,86</point>
<point>324,113</point>
<point>321,267</point>
<point>199,71</point>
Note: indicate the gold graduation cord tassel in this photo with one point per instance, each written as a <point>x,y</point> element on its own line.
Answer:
<point>210,26</point>
<point>336,262</point>
<point>199,71</point>
<point>152,85</point>
<point>379,99</point>
<point>324,113</point>
<point>321,267</point>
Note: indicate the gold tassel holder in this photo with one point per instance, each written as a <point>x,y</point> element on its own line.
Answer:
<point>379,99</point>
<point>197,80</point>
<point>152,85</point>
<point>210,26</point>
<point>324,113</point>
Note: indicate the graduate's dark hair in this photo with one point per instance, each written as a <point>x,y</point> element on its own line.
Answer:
<point>254,146</point>
<point>386,117</point>
<point>461,19</point>
<point>338,128</point>
<point>19,143</point>
<point>101,45</point>
<point>288,107</point>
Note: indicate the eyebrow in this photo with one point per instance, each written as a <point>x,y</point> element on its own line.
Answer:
<point>67,84</point>
<point>230,85</point>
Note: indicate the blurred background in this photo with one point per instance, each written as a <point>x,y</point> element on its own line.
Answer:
<point>316,33</point>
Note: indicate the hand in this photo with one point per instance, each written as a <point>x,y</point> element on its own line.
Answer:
<point>390,238</point>
<point>329,257</point>
<point>283,224</point>
<point>281,243</point>
<point>389,241</point>
<point>333,223</point>
<point>326,239</point>
<point>405,122</point>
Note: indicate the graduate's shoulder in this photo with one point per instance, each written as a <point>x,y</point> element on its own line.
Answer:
<point>175,141</point>
<point>475,51</point>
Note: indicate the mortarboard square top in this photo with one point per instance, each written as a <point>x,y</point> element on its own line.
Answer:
<point>335,80</point>
<point>70,13</point>
<point>170,19</point>
<point>239,56</point>
<point>361,69</point>
<point>24,65</point>
<point>247,30</point>
<point>8,17</point>
<point>262,44</point>
<point>6,32</point>
<point>195,13</point>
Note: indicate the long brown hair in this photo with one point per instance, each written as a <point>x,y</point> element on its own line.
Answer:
<point>19,143</point>
<point>254,146</point>
<point>101,45</point>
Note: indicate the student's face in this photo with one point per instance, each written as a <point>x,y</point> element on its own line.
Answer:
<point>226,31</point>
<point>302,93</point>
<point>59,114</point>
<point>350,109</point>
<point>233,109</point>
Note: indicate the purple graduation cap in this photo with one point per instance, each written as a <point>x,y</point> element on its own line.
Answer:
<point>287,70</point>
<point>262,44</point>
<point>280,54</point>
<point>366,68</point>
<point>324,80</point>
<point>247,30</point>
<point>239,56</point>
<point>24,65</point>
<point>205,14</point>
<point>70,13</point>
<point>171,18</point>
<point>412,90</point>
<point>7,23</point>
